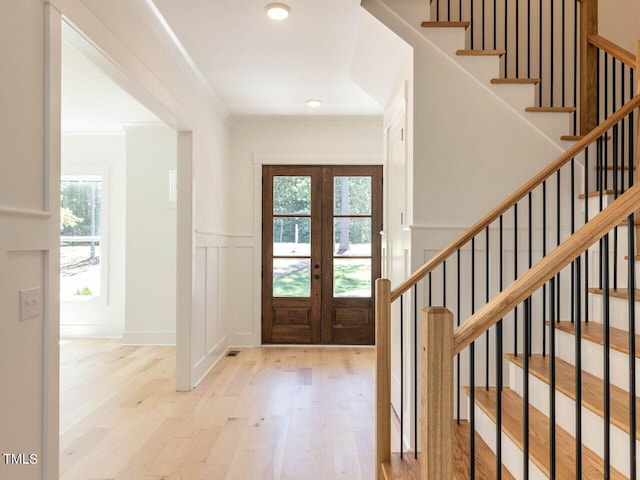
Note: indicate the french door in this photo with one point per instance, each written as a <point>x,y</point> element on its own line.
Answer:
<point>320,253</point>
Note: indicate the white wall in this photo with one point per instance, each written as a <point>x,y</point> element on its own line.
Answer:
<point>282,141</point>
<point>150,299</point>
<point>29,186</point>
<point>84,154</point>
<point>618,22</point>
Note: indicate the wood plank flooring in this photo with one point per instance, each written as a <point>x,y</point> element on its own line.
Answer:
<point>485,466</point>
<point>269,413</point>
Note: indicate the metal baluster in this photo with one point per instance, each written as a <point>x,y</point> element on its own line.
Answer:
<point>458,315</point>
<point>525,381</point>
<point>401,374</point>
<point>415,371</point>
<point>517,39</point>
<point>528,38</point>
<point>586,219</point>
<point>472,371</point>
<point>506,37</point>
<point>604,251</point>
<point>632,347</point>
<point>499,348</point>
<point>558,299</point>
<point>530,235</point>
<point>572,223</point>
<point>544,254</point>
<point>483,26</point>
<point>551,50</point>
<point>486,281</point>
<point>540,57</point>
<point>552,377</point>
<point>515,276</point>
<point>564,8</point>
<point>578,377</point>
<point>575,66</point>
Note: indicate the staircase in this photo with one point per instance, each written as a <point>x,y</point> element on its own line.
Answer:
<point>533,375</point>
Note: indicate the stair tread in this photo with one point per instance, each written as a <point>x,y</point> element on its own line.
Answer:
<point>516,81</point>
<point>481,53</point>
<point>445,24</point>
<point>592,465</point>
<point>550,109</point>
<point>592,331</point>
<point>608,191</point>
<point>409,468</point>
<point>617,292</point>
<point>592,389</point>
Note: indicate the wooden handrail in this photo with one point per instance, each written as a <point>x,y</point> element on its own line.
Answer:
<point>550,265</point>
<point>614,50</point>
<point>515,197</point>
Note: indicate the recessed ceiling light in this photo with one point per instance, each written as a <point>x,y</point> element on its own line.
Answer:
<point>314,103</point>
<point>277,11</point>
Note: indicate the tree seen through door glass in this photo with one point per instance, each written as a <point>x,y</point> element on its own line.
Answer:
<point>291,236</point>
<point>292,195</point>
<point>352,195</point>
<point>352,237</point>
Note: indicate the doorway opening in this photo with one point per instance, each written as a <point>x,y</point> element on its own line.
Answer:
<point>321,253</point>
<point>118,240</point>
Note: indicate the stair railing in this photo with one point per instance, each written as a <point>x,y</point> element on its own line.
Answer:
<point>485,258</point>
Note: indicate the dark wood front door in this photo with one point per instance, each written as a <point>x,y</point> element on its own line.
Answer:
<point>320,253</point>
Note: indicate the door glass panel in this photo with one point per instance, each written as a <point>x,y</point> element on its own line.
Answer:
<point>352,237</point>
<point>352,195</point>
<point>291,277</point>
<point>292,195</point>
<point>351,277</point>
<point>291,236</point>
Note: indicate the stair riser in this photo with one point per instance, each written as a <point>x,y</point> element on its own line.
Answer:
<point>552,124</point>
<point>449,40</point>
<point>512,457</point>
<point>484,68</point>
<point>592,424</point>
<point>618,312</point>
<point>518,96</point>
<point>592,359</point>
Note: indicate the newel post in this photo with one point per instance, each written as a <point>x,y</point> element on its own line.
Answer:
<point>383,373</point>
<point>588,66</point>
<point>437,394</point>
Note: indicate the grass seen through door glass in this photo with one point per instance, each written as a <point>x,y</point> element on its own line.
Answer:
<point>350,280</point>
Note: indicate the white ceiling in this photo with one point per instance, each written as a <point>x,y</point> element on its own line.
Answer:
<point>91,101</point>
<point>258,66</point>
<point>332,50</point>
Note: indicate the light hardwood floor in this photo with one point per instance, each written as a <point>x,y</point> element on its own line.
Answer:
<point>269,413</point>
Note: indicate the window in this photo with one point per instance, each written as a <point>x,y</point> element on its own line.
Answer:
<point>81,245</point>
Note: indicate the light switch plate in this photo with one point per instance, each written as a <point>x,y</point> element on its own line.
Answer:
<point>30,303</point>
